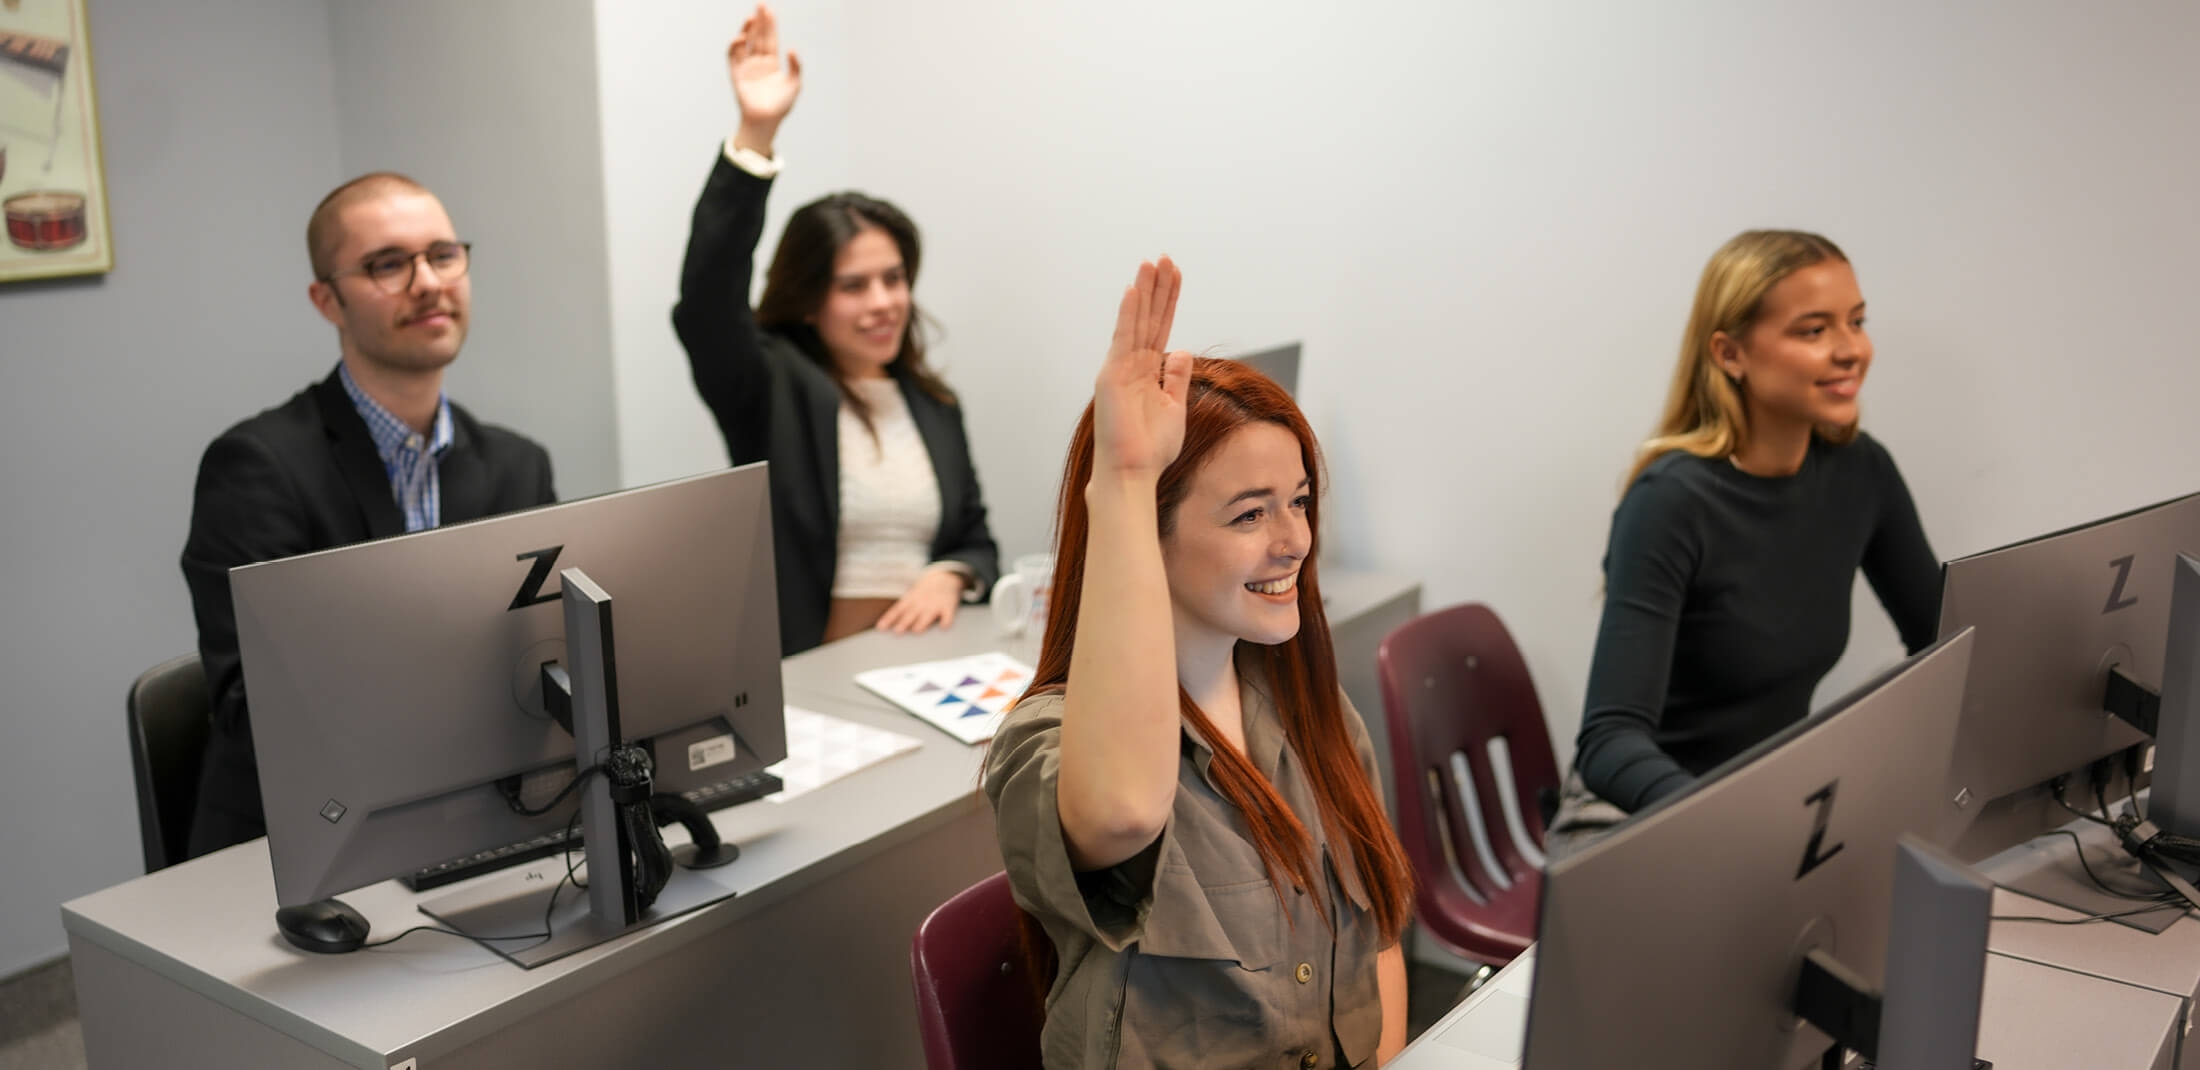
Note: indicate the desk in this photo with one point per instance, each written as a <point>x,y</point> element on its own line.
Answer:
<point>2025,1022</point>
<point>807,965</point>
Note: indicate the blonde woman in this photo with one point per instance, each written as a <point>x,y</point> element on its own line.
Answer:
<point>1737,540</point>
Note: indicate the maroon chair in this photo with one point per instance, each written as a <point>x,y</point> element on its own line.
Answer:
<point>1453,682</point>
<point>975,1002</point>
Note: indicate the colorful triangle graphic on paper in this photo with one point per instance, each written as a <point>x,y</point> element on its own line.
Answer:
<point>948,701</point>
<point>1008,674</point>
<point>967,681</point>
<point>992,692</point>
<point>928,688</point>
<point>975,711</point>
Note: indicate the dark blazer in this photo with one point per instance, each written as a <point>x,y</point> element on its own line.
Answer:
<point>775,403</point>
<point>300,477</point>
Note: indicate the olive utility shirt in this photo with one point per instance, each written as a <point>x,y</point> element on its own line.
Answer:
<point>1181,956</point>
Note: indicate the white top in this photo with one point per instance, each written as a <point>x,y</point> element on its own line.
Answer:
<point>889,497</point>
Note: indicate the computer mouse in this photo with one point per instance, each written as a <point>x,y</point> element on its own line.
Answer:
<point>328,927</point>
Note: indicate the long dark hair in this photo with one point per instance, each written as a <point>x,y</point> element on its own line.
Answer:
<point>801,273</point>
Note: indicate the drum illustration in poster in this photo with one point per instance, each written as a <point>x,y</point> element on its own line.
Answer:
<point>52,183</point>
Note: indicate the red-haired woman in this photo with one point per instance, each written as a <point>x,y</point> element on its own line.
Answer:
<point>1185,799</point>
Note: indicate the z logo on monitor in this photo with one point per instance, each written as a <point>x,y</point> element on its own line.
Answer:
<point>1812,859</point>
<point>530,589</point>
<point>2116,599</point>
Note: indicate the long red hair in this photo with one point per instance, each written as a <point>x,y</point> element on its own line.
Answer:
<point>1226,395</point>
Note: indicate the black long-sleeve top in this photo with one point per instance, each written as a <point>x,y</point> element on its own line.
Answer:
<point>1726,601</point>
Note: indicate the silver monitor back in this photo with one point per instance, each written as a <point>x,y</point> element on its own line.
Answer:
<point>1280,363</point>
<point>2174,804</point>
<point>392,683</point>
<point>2053,615</point>
<point>1677,939</point>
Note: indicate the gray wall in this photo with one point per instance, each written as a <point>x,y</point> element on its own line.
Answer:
<point>217,123</point>
<point>224,123</point>
<point>492,104</point>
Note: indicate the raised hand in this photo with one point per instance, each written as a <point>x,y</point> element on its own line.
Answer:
<point>765,89</point>
<point>1138,400</point>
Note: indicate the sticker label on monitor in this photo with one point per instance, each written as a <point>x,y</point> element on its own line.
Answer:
<point>717,750</point>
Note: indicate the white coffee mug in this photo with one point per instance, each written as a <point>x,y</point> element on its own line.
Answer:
<point>1020,598</point>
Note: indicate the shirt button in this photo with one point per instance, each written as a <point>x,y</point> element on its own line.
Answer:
<point>1308,1060</point>
<point>1305,975</point>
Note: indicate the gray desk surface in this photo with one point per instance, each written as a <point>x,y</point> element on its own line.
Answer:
<point>2166,962</point>
<point>207,925</point>
<point>2033,1017</point>
<point>1484,1032</point>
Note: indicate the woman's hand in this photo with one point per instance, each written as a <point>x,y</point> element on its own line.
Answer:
<point>764,88</point>
<point>1138,400</point>
<point>929,601</point>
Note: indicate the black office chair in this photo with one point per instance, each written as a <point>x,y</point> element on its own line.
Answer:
<point>168,727</point>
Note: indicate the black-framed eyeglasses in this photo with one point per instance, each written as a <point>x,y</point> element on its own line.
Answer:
<point>393,272</point>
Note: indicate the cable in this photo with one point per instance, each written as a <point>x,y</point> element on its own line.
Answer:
<point>2059,784</point>
<point>538,938</point>
<point>569,878</point>
<point>510,787</point>
<point>2079,845</point>
<point>2088,919</point>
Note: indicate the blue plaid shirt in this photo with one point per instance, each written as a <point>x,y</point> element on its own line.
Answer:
<point>407,458</point>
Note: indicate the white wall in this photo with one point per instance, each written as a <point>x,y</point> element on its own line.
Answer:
<point>492,104</point>
<point>667,107</point>
<point>1486,221</point>
<point>217,121</point>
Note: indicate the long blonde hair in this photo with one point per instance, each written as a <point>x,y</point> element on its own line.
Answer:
<point>1704,413</point>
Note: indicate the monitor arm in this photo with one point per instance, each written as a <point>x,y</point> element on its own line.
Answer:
<point>2134,703</point>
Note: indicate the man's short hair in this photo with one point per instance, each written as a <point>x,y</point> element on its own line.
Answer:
<point>323,235</point>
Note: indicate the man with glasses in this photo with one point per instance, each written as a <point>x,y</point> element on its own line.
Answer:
<point>373,450</point>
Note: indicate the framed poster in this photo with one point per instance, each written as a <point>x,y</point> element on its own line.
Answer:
<point>53,186</point>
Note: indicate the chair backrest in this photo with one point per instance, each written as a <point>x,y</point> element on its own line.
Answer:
<point>975,1002</point>
<point>1471,754</point>
<point>167,710</point>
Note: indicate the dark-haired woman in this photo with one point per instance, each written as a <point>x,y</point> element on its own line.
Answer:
<point>877,518</point>
<point>1185,799</point>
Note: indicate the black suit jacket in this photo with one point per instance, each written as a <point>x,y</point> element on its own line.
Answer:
<point>774,403</point>
<point>300,477</point>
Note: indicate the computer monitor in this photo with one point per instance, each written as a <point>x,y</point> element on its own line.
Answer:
<point>2174,804</point>
<point>2054,615</point>
<point>394,683</point>
<point>1280,363</point>
<point>1678,939</point>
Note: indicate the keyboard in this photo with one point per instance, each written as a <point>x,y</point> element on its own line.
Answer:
<point>715,796</point>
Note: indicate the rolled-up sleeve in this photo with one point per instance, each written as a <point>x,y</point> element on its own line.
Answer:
<point>1022,775</point>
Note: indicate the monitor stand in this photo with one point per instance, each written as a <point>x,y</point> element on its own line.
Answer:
<point>496,914</point>
<point>1928,1013</point>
